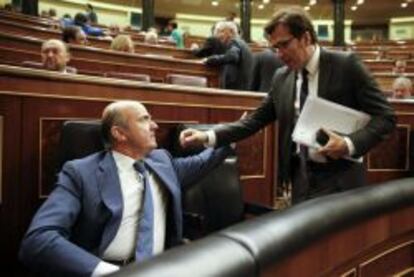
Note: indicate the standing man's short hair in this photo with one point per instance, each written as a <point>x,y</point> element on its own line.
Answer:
<point>296,19</point>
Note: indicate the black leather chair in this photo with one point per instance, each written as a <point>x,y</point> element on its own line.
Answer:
<point>216,201</point>
<point>79,139</point>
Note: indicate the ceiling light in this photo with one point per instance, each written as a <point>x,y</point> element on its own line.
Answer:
<point>354,8</point>
<point>306,8</point>
<point>260,7</point>
<point>214,3</point>
<point>360,2</point>
<point>312,2</point>
<point>404,5</point>
<point>266,1</point>
<point>409,1</point>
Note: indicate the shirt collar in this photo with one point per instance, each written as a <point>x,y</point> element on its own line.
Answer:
<point>122,161</point>
<point>313,64</point>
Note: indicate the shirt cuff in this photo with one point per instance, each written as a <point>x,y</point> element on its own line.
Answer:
<point>350,145</point>
<point>104,268</point>
<point>211,139</point>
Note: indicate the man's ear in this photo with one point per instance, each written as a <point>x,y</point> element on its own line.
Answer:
<point>308,38</point>
<point>118,134</point>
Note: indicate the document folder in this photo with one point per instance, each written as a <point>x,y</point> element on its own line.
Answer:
<point>319,113</point>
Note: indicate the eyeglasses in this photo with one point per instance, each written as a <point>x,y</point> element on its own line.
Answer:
<point>283,44</point>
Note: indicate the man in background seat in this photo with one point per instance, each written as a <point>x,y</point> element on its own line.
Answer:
<point>55,56</point>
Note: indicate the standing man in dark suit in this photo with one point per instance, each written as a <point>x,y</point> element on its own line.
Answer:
<point>265,65</point>
<point>236,62</point>
<point>336,76</point>
<point>116,206</point>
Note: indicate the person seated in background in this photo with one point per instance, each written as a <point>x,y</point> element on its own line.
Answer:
<point>176,34</point>
<point>114,30</point>
<point>91,14</point>
<point>82,21</point>
<point>399,67</point>
<point>53,14</point>
<point>151,37</point>
<point>66,21</point>
<point>265,65</point>
<point>44,14</point>
<point>74,35</point>
<point>55,56</point>
<point>402,88</point>
<point>237,61</point>
<point>123,43</point>
<point>115,206</point>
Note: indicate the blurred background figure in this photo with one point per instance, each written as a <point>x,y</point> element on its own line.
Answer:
<point>236,63</point>
<point>123,43</point>
<point>176,34</point>
<point>402,88</point>
<point>400,67</point>
<point>114,30</point>
<point>151,37</point>
<point>91,14</point>
<point>53,14</point>
<point>82,21</point>
<point>74,35</point>
<point>265,65</point>
<point>55,56</point>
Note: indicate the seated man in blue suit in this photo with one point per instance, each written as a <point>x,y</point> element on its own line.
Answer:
<point>116,206</point>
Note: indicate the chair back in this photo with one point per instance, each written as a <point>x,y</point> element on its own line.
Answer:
<point>79,139</point>
<point>186,80</point>
<point>32,64</point>
<point>129,76</point>
<point>217,198</point>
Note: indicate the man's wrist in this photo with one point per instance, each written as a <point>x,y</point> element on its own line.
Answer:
<point>210,139</point>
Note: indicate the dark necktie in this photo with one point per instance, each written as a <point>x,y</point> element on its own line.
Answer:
<point>304,89</point>
<point>145,239</point>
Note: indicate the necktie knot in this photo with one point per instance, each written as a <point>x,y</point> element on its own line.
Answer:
<point>140,167</point>
<point>305,73</point>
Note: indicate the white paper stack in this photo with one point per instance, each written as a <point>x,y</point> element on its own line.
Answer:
<point>319,113</point>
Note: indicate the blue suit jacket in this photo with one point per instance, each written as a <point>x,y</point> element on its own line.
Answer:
<point>82,215</point>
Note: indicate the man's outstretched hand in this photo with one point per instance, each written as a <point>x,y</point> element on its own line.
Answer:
<point>193,137</point>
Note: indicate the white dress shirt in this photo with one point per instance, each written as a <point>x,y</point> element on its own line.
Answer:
<point>124,243</point>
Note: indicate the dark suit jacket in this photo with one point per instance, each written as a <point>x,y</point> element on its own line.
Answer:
<point>212,46</point>
<point>265,65</point>
<point>342,79</point>
<point>236,65</point>
<point>82,215</point>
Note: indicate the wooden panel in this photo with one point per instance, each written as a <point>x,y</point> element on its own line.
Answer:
<point>396,149</point>
<point>11,220</point>
<point>340,253</point>
<point>392,261</point>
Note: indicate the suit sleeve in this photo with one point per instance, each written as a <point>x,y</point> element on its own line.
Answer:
<point>232,56</point>
<point>192,168</point>
<point>235,131</point>
<point>372,101</point>
<point>46,247</point>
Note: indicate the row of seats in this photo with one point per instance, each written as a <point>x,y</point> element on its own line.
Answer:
<point>177,79</point>
<point>259,246</point>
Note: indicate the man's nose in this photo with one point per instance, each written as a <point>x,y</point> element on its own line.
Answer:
<point>154,125</point>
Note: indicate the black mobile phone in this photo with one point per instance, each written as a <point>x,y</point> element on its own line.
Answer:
<point>322,137</point>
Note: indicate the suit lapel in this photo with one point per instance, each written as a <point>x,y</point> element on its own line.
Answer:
<point>110,190</point>
<point>162,171</point>
<point>287,98</point>
<point>325,70</point>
